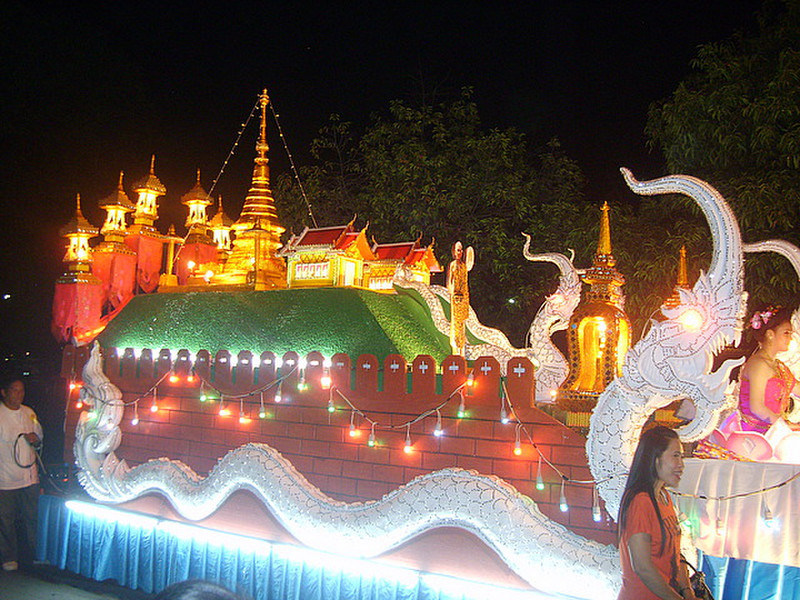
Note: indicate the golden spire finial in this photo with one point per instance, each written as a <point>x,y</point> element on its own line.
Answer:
<point>683,276</point>
<point>259,207</point>
<point>152,164</point>
<point>121,189</point>
<point>78,202</point>
<point>198,176</point>
<point>604,243</point>
<point>262,147</point>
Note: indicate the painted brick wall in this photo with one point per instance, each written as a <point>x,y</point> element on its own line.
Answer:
<point>318,442</point>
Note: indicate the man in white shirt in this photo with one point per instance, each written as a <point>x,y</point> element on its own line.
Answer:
<point>20,431</point>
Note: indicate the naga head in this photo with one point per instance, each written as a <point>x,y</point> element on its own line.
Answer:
<point>674,359</point>
<point>558,307</point>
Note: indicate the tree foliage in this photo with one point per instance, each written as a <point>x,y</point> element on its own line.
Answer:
<point>434,171</point>
<point>736,123</point>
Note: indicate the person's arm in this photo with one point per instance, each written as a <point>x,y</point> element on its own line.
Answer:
<point>759,372</point>
<point>639,550</point>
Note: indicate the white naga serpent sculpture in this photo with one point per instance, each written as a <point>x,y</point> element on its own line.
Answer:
<point>551,367</point>
<point>544,553</point>
<point>553,315</point>
<point>673,360</point>
<point>497,344</point>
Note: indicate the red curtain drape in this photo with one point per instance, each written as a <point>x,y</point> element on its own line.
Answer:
<point>117,271</point>
<point>149,251</point>
<point>77,310</point>
<point>201,254</point>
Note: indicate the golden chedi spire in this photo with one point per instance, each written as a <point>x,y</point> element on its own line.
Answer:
<point>682,281</point>
<point>604,243</point>
<point>253,260</point>
<point>259,207</point>
<point>604,281</point>
<point>598,335</point>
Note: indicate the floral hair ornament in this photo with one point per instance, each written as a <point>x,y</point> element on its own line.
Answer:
<point>761,318</point>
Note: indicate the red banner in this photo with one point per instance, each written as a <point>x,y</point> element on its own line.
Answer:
<point>77,309</point>
<point>148,260</point>
<point>117,271</point>
<point>199,254</point>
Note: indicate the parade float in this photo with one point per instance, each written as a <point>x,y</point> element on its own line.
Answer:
<point>316,419</point>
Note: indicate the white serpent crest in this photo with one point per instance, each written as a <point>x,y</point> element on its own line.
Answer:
<point>497,344</point>
<point>553,315</point>
<point>673,360</point>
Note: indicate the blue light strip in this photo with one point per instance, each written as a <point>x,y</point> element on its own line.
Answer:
<point>442,586</point>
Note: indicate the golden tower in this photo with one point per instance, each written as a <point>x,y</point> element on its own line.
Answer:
<point>117,205</point>
<point>149,189</point>
<point>78,257</point>
<point>253,260</point>
<point>682,281</point>
<point>598,336</point>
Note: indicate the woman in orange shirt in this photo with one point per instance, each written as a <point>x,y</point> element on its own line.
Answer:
<point>650,537</point>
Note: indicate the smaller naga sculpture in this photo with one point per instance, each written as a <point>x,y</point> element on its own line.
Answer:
<point>458,288</point>
<point>553,315</point>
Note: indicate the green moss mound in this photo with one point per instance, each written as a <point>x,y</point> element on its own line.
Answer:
<point>328,320</point>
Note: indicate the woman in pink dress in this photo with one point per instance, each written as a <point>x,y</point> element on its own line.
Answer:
<point>765,383</point>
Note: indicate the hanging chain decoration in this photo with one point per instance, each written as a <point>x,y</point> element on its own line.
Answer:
<point>291,164</point>
<point>233,149</point>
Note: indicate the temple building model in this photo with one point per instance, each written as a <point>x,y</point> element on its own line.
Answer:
<point>217,253</point>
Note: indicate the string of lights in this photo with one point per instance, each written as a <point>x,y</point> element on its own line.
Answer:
<point>741,494</point>
<point>291,164</point>
<point>233,149</point>
<point>507,415</point>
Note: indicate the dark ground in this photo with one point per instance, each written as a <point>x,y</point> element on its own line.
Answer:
<point>50,583</point>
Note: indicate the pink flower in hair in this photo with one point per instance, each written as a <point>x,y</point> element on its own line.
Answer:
<point>762,318</point>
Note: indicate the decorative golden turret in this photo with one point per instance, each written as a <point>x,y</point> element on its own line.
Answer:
<point>603,278</point>
<point>149,188</point>
<point>682,281</point>
<point>253,260</point>
<point>599,333</point>
<point>117,205</point>
<point>197,200</point>
<point>78,232</point>
<point>220,225</point>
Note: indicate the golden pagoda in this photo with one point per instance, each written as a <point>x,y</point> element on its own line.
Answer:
<point>253,261</point>
<point>598,336</point>
<point>682,282</point>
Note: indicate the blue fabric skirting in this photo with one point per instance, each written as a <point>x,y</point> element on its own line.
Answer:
<point>147,553</point>
<point>734,579</point>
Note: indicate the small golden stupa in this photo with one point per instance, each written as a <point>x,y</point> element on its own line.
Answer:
<point>598,336</point>
<point>682,281</point>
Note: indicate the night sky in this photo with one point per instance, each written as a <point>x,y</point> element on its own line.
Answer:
<point>87,93</point>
